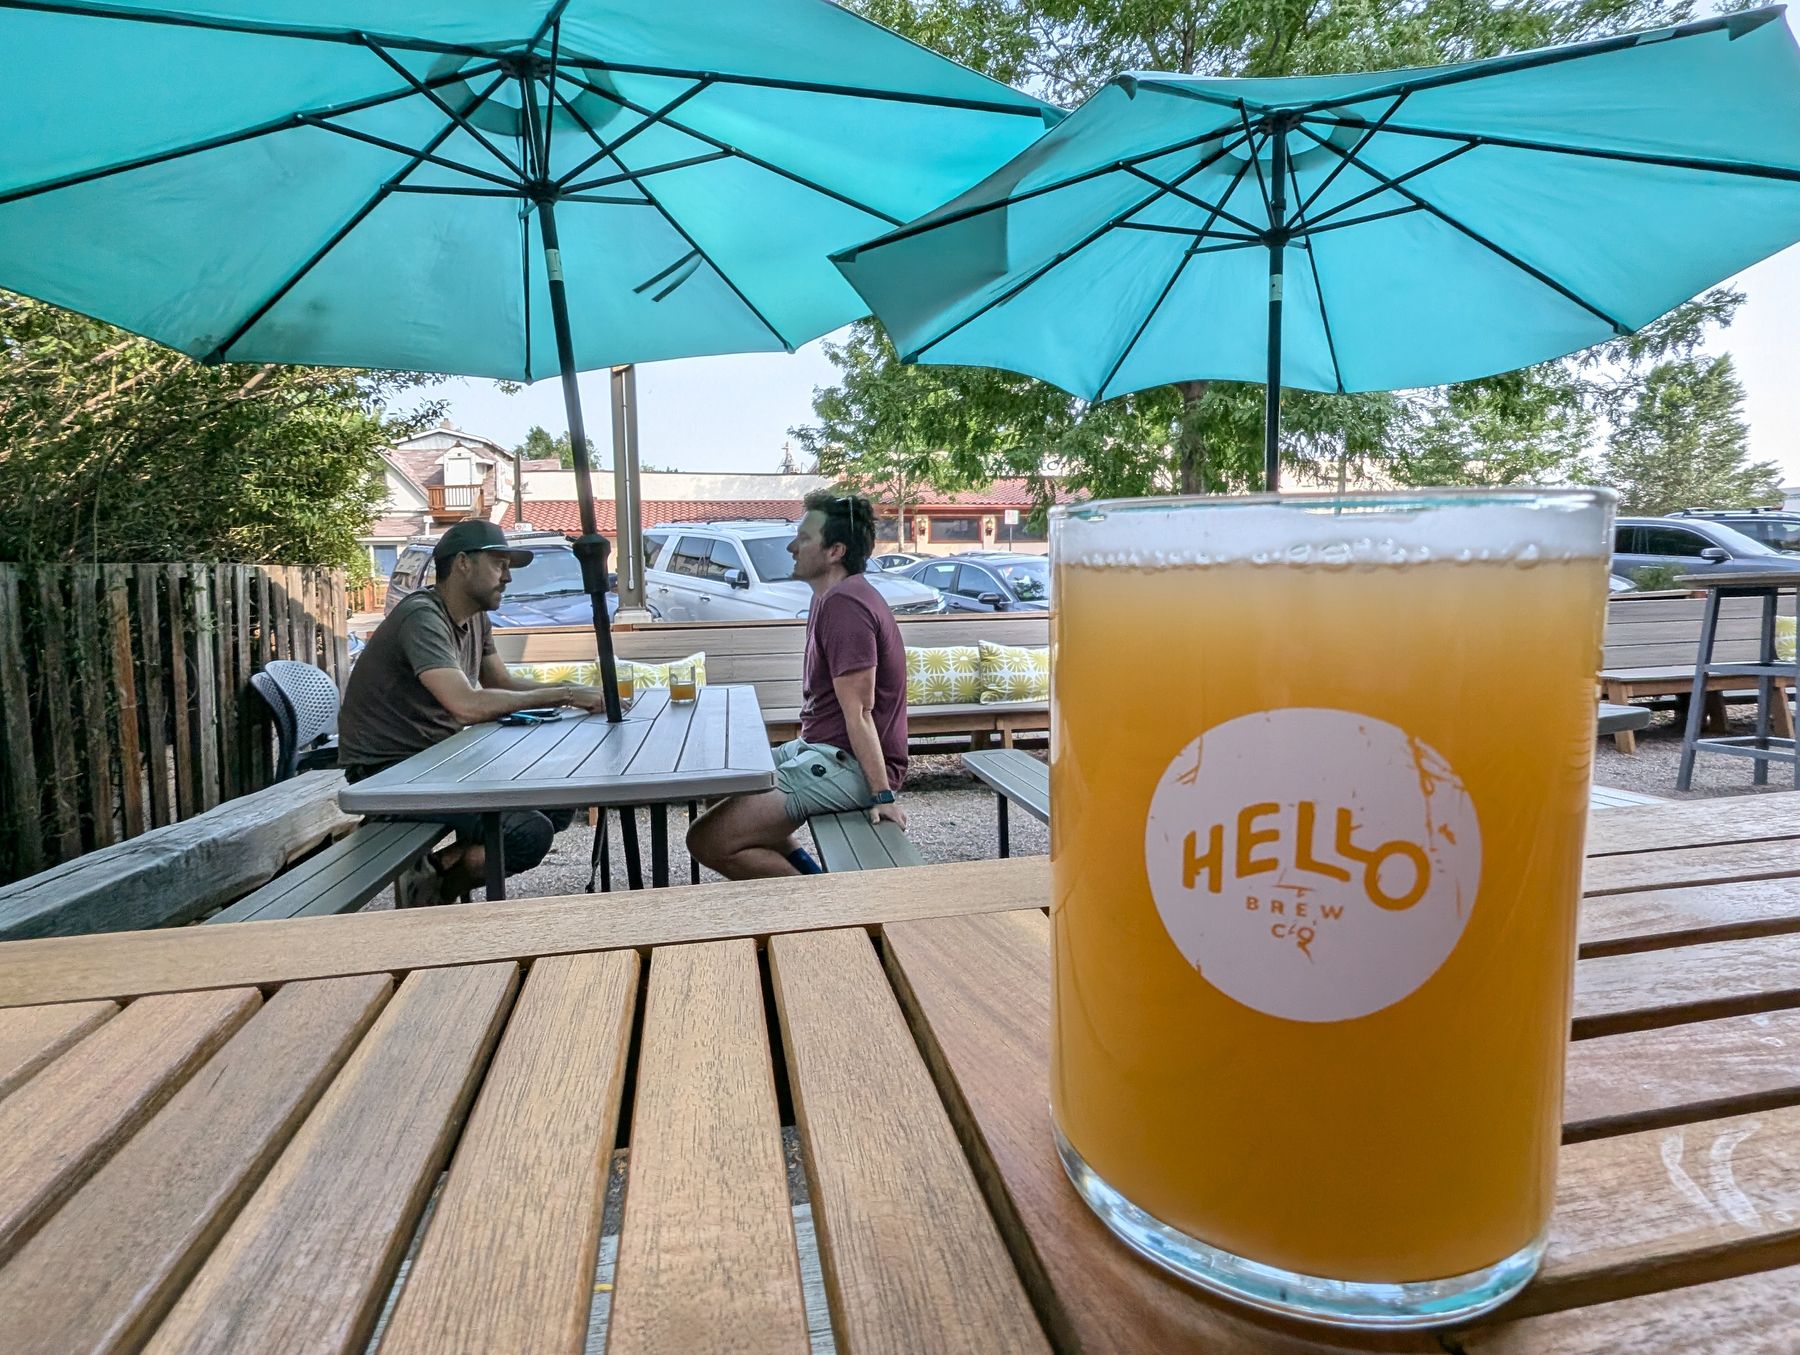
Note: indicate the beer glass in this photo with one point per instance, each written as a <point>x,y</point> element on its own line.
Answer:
<point>1314,903</point>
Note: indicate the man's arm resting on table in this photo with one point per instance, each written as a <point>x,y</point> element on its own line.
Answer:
<point>470,705</point>
<point>856,696</point>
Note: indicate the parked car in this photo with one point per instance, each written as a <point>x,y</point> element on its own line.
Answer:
<point>1692,545</point>
<point>988,581</point>
<point>1773,527</point>
<point>547,592</point>
<point>898,559</point>
<point>741,571</point>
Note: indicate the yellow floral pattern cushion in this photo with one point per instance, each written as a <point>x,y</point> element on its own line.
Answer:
<point>944,675</point>
<point>588,674</point>
<point>1012,673</point>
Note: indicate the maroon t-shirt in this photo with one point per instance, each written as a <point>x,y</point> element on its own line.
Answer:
<point>850,629</point>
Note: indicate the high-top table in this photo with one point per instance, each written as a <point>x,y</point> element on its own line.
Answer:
<point>662,753</point>
<point>276,1136</point>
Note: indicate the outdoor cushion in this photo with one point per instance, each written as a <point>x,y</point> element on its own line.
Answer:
<point>1013,673</point>
<point>943,675</point>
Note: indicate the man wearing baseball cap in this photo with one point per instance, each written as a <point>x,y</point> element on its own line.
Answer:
<point>430,669</point>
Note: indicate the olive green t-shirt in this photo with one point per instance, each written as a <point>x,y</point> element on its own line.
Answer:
<point>388,714</point>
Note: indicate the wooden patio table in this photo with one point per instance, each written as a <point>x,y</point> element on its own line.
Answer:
<point>228,1138</point>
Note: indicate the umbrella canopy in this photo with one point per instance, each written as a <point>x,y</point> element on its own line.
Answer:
<point>1360,232</point>
<point>353,183</point>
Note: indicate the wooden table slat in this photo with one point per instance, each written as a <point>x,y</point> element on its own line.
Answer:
<point>1752,1315</point>
<point>1652,919</point>
<point>31,1036</point>
<point>912,1259</point>
<point>103,1270</point>
<point>1639,991</point>
<point>75,1113</point>
<point>507,1263</point>
<point>707,1259</point>
<point>308,1260</point>
<point>1649,1078</point>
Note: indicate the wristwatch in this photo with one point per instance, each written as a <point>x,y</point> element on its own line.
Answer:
<point>883,797</point>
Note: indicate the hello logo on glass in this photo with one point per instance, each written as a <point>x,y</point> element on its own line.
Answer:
<point>1313,864</point>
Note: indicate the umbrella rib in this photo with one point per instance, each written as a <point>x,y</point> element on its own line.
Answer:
<point>1187,256</point>
<point>1693,162</point>
<point>1063,256</point>
<point>649,121</point>
<point>675,225</point>
<point>741,154</point>
<point>217,24</point>
<point>1480,239</point>
<point>443,162</point>
<point>1312,261</point>
<point>632,176</point>
<point>444,108</point>
<point>1377,191</point>
<point>375,199</point>
<point>1033,110</point>
<point>1192,200</point>
<point>286,123</point>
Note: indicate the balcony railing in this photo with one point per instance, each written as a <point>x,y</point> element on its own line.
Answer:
<point>450,502</point>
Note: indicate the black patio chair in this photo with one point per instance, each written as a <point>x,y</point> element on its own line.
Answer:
<point>303,702</point>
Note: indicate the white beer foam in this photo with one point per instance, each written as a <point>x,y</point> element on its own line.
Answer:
<point>1332,531</point>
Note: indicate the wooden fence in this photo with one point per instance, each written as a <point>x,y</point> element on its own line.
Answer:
<point>125,701</point>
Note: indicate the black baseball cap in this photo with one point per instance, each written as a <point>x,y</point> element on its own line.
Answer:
<point>478,534</point>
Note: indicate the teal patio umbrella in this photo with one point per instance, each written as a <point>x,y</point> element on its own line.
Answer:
<point>1360,232</point>
<point>504,190</point>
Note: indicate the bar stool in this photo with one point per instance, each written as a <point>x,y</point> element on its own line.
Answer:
<point>1773,676</point>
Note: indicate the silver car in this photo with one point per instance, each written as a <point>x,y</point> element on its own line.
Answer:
<point>741,571</point>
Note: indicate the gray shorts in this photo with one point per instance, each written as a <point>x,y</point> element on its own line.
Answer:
<point>815,778</point>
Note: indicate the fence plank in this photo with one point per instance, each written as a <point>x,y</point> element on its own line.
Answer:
<point>241,592</point>
<point>131,752</point>
<point>22,790</point>
<point>53,684</point>
<point>156,704</point>
<point>225,624</point>
<point>179,627</point>
<point>206,687</point>
<point>90,647</point>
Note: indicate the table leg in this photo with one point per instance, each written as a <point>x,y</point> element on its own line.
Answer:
<point>628,839</point>
<point>494,844</point>
<point>1005,834</point>
<point>659,846</point>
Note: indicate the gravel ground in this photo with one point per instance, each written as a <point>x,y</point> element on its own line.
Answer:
<point>951,815</point>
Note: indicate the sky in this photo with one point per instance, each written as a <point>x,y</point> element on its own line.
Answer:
<point>734,413</point>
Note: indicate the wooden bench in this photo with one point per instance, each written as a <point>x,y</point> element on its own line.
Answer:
<point>1015,777</point>
<point>180,872</point>
<point>340,879</point>
<point>1653,640</point>
<point>850,842</point>
<point>766,655</point>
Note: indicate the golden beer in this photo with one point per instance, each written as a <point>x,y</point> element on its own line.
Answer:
<point>1314,903</point>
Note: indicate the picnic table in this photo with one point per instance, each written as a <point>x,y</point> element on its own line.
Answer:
<point>248,1153</point>
<point>662,753</point>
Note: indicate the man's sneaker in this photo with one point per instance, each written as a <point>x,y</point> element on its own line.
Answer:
<point>418,886</point>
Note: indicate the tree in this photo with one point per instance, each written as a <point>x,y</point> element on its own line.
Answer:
<point>115,448</point>
<point>1200,435</point>
<point>1681,444</point>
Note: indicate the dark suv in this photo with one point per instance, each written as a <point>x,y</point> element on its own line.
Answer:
<point>1774,527</point>
<point>1692,545</point>
<point>547,592</point>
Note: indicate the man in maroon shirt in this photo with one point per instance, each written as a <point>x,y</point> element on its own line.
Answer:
<point>851,753</point>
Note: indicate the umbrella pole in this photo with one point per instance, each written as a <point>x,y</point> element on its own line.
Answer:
<point>1277,238</point>
<point>590,547</point>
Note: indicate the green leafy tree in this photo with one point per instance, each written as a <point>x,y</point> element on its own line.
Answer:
<point>116,448</point>
<point>1681,443</point>
<point>971,424</point>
